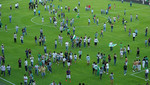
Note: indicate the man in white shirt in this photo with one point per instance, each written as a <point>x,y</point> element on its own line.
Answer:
<point>0,5</point>
<point>111,46</point>
<point>26,65</point>
<point>134,35</point>
<point>54,56</point>
<point>25,79</point>
<point>15,37</point>
<point>21,38</point>
<point>67,45</point>
<point>96,41</point>
<point>146,74</point>
<point>3,69</point>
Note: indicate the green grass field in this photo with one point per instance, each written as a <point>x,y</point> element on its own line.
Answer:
<point>80,72</point>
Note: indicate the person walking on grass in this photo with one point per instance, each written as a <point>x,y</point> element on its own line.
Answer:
<point>55,43</point>
<point>111,78</point>
<point>88,59</point>
<point>15,37</point>
<point>68,72</point>
<point>21,38</point>
<point>134,35</point>
<point>31,77</point>
<point>80,54</point>
<point>10,17</point>
<point>25,79</point>
<point>115,58</point>
<point>146,74</point>
<point>8,69</point>
<point>95,41</point>
<point>89,21</point>
<point>2,47</point>
<point>138,52</point>
<point>101,73</point>
<point>146,30</point>
<point>26,65</point>
<point>125,69</point>
<point>3,69</point>
<point>19,63</point>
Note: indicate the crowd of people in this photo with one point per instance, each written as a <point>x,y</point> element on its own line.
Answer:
<point>46,59</point>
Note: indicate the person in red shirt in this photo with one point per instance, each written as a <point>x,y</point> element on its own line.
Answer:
<point>89,7</point>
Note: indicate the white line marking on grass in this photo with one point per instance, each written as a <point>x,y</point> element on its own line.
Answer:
<point>7,81</point>
<point>133,74</point>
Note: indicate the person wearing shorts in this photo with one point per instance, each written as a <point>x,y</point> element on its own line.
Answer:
<point>68,72</point>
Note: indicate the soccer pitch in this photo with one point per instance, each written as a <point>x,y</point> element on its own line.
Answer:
<point>80,72</point>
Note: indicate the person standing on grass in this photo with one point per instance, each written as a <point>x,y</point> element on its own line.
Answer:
<point>146,74</point>
<point>138,53</point>
<point>21,38</point>
<point>64,60</point>
<point>111,78</point>
<point>115,58</point>
<point>101,33</point>
<point>39,12</point>
<point>34,12</point>
<point>80,54</point>
<point>27,53</point>
<point>112,27</point>
<point>2,47</point>
<point>45,49</point>
<point>104,26</point>
<point>6,27</point>
<point>43,71</point>
<point>89,40</point>
<point>149,42</point>
<point>101,73</point>
<point>95,41</point>
<point>10,17</point>
<point>17,27</point>
<point>136,17</point>
<point>129,31</point>
<point>35,38</point>
<point>96,34</point>
<point>15,37</point>
<point>3,69</point>
<point>89,21</point>
<point>125,51</point>
<point>67,45</point>
<point>68,72</point>
<point>55,43</point>
<point>31,77</point>
<point>124,11</point>
<point>134,35</point>
<point>26,65</point>
<point>111,46</point>
<point>25,30</point>
<point>19,62</point>
<point>125,69</point>
<point>145,42</point>
<point>107,67</point>
<point>88,59</point>
<point>128,50</point>
<point>125,27</point>
<point>8,69</point>
<point>121,53</point>
<point>146,30</point>
<point>97,21</point>
<point>25,79</point>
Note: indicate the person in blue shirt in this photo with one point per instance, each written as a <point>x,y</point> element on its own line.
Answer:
<point>10,18</point>
<point>39,12</point>
<point>130,3</point>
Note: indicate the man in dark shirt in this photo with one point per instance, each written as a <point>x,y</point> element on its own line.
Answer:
<point>68,72</point>
<point>125,69</point>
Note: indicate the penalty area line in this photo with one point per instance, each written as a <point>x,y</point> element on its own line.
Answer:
<point>7,81</point>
